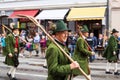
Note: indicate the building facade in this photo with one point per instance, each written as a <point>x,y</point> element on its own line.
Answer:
<point>114,10</point>
<point>95,25</point>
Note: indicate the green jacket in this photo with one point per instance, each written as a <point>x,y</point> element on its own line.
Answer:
<point>112,46</point>
<point>81,55</point>
<point>10,46</point>
<point>48,42</point>
<point>58,64</point>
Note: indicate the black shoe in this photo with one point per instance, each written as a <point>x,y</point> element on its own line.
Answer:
<point>36,55</point>
<point>14,78</point>
<point>107,72</point>
<point>44,66</point>
<point>116,73</point>
<point>9,75</point>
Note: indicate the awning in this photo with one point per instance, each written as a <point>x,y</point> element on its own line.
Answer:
<point>96,13</point>
<point>24,12</point>
<point>52,14</point>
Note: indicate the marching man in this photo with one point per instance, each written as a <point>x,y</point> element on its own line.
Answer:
<point>110,52</point>
<point>59,67</point>
<point>12,50</point>
<point>82,53</point>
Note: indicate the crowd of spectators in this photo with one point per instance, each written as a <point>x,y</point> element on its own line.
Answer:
<point>38,43</point>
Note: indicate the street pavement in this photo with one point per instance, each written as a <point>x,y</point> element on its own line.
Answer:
<point>35,64</point>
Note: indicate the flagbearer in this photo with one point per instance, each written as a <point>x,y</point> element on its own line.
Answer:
<point>82,53</point>
<point>12,46</point>
<point>59,67</point>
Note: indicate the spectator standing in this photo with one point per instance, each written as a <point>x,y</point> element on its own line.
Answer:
<point>106,41</point>
<point>110,52</point>
<point>37,42</point>
<point>29,46</point>
<point>22,43</point>
<point>3,44</point>
<point>43,45</point>
<point>94,40</point>
<point>91,41</point>
<point>73,43</point>
<point>100,47</point>
<point>68,43</point>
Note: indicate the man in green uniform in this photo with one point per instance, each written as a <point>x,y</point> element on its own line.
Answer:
<point>110,52</point>
<point>12,50</point>
<point>82,53</point>
<point>59,67</point>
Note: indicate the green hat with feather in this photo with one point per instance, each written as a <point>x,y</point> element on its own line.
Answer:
<point>84,28</point>
<point>59,26</point>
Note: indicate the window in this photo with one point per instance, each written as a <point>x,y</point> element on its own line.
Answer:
<point>5,21</point>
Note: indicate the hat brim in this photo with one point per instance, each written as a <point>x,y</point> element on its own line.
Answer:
<point>115,32</point>
<point>84,31</point>
<point>69,30</point>
<point>63,30</point>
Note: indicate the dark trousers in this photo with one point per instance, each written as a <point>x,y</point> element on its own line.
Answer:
<point>118,54</point>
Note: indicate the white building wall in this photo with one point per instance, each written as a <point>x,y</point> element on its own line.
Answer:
<point>115,14</point>
<point>49,4</point>
<point>115,17</point>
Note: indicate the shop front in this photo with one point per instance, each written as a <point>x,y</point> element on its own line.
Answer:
<point>24,23</point>
<point>91,16</point>
<point>4,19</point>
<point>45,16</point>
